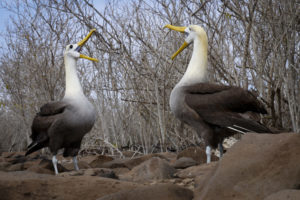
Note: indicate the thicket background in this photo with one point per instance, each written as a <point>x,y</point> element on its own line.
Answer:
<point>254,44</point>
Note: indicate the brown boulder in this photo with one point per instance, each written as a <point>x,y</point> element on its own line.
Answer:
<point>153,192</point>
<point>119,171</point>
<point>285,195</point>
<point>99,161</point>
<point>254,168</point>
<point>23,163</point>
<point>131,163</point>
<point>24,185</point>
<point>169,156</point>
<point>81,165</point>
<point>14,157</point>
<point>130,154</point>
<point>106,173</point>
<point>40,170</point>
<point>184,162</point>
<point>19,157</point>
<point>198,171</point>
<point>100,172</point>
<point>16,167</point>
<point>117,163</point>
<point>44,166</point>
<point>12,154</point>
<point>88,158</point>
<point>152,169</point>
<point>4,166</point>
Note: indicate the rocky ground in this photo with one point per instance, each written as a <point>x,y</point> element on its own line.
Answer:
<point>259,166</point>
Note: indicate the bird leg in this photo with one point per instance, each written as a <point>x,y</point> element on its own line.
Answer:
<point>54,161</point>
<point>208,154</point>
<point>221,149</point>
<point>75,163</point>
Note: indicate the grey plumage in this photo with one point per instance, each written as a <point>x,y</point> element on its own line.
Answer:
<point>63,124</point>
<point>215,111</point>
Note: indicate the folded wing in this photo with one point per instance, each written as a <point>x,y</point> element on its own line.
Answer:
<point>222,106</point>
<point>49,114</point>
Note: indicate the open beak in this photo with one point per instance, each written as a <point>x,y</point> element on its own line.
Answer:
<point>180,29</point>
<point>82,42</point>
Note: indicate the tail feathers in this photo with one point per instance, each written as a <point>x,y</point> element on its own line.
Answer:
<point>257,105</point>
<point>34,146</point>
<point>40,140</point>
<point>245,125</point>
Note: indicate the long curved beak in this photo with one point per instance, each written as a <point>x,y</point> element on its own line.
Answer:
<point>176,28</point>
<point>180,29</point>
<point>82,42</point>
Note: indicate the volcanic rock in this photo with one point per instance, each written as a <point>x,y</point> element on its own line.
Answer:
<point>153,192</point>
<point>152,169</point>
<point>254,168</point>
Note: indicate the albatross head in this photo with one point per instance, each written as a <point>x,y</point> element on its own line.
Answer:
<point>71,54</point>
<point>193,32</point>
<point>73,50</point>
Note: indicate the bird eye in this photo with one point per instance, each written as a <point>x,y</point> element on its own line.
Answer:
<point>71,46</point>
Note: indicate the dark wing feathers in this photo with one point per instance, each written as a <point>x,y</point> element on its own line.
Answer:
<point>206,96</point>
<point>221,105</point>
<point>41,122</point>
<point>234,121</point>
<point>205,88</point>
<point>45,117</point>
<point>52,108</point>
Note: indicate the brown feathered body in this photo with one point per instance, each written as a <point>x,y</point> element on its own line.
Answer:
<point>61,124</point>
<point>214,111</point>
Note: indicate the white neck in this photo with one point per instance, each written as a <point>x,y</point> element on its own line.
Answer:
<point>73,86</point>
<point>197,69</point>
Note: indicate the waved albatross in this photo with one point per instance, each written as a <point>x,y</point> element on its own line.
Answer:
<point>213,110</point>
<point>62,124</point>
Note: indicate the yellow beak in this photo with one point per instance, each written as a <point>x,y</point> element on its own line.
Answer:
<point>180,29</point>
<point>82,42</point>
<point>183,46</point>
<point>89,58</point>
<point>176,28</point>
